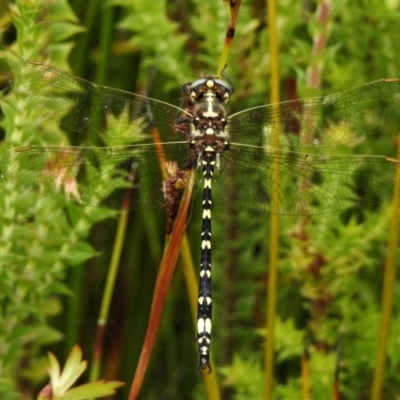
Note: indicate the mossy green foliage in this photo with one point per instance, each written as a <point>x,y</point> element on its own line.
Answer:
<point>54,255</point>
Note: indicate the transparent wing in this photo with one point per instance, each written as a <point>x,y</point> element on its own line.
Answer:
<point>334,120</point>
<point>104,177</point>
<point>308,184</point>
<point>87,108</point>
<point>95,176</point>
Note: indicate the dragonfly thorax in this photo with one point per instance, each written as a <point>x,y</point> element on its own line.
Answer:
<point>207,135</point>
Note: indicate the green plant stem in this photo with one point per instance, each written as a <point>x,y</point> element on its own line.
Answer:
<point>233,10</point>
<point>190,276</point>
<point>107,296</point>
<point>75,281</point>
<point>389,280</point>
<point>274,218</point>
<point>101,71</point>
<point>107,24</point>
<point>80,56</point>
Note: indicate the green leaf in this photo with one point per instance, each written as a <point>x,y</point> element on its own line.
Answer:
<point>61,381</point>
<point>61,10</point>
<point>91,390</point>
<point>64,30</point>
<point>80,252</point>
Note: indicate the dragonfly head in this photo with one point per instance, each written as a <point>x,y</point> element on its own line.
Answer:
<point>208,86</point>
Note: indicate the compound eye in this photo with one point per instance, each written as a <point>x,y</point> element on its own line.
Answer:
<point>197,83</point>
<point>223,84</point>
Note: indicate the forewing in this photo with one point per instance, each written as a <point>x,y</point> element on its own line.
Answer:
<point>84,107</point>
<point>335,120</point>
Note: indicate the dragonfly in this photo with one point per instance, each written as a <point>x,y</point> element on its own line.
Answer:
<point>239,155</point>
